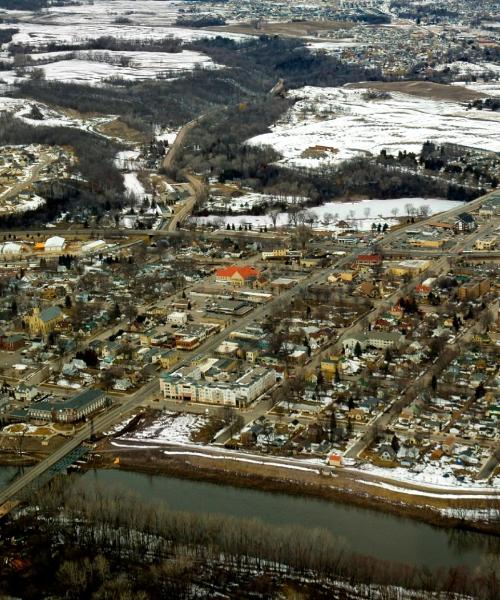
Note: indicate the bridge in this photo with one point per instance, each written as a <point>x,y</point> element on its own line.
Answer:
<point>72,449</point>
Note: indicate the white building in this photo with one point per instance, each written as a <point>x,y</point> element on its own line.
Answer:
<point>177,318</point>
<point>55,244</point>
<point>239,392</point>
<point>10,249</point>
<point>375,339</point>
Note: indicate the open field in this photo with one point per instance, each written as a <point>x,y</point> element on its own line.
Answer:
<point>422,89</point>
<point>330,125</point>
<point>302,29</point>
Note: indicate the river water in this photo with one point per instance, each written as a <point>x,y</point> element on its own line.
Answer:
<point>362,530</point>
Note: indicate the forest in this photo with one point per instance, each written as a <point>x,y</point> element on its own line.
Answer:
<point>76,541</point>
<point>95,154</point>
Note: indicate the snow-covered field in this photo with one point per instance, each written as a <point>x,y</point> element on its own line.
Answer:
<point>141,66</point>
<point>169,428</point>
<point>349,125</point>
<point>439,476</point>
<point>467,68</point>
<point>361,214</point>
<point>491,88</point>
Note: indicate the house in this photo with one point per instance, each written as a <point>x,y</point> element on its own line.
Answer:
<point>448,445</point>
<point>237,276</point>
<point>465,222</point>
<point>387,452</point>
<point>25,392</point>
<point>329,368</point>
<point>45,321</point>
<point>335,460</point>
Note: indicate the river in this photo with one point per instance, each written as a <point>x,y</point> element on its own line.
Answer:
<point>364,531</point>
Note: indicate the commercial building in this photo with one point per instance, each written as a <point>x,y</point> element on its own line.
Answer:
<point>225,387</point>
<point>68,411</point>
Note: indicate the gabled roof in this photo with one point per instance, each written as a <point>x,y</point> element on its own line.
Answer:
<point>244,272</point>
<point>51,313</point>
<point>466,217</point>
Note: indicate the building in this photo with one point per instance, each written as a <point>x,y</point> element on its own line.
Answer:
<point>12,342</point>
<point>375,339</point>
<point>368,260</point>
<point>428,242</point>
<point>10,249</point>
<point>45,321</point>
<point>487,243</point>
<point>409,267</point>
<point>191,337</point>
<point>473,289</point>
<point>55,244</point>
<point>282,254</point>
<point>238,276</point>
<point>465,222</point>
<point>177,318</point>
<point>227,388</point>
<point>70,410</point>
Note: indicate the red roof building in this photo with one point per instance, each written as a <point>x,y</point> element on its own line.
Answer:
<point>236,275</point>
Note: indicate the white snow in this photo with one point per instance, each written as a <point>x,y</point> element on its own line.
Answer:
<point>379,211</point>
<point>437,476</point>
<point>412,492</point>
<point>133,186</point>
<point>342,120</point>
<point>491,88</point>
<point>240,459</point>
<point>143,65</point>
<point>169,428</point>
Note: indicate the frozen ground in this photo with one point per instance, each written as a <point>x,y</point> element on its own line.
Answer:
<point>169,428</point>
<point>142,65</point>
<point>437,475</point>
<point>133,186</point>
<point>360,214</point>
<point>492,88</point>
<point>466,68</point>
<point>349,125</point>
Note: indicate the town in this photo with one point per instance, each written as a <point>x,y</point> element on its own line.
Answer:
<point>249,299</point>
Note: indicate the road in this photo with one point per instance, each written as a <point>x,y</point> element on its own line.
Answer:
<point>151,389</point>
<point>32,176</point>
<point>104,421</point>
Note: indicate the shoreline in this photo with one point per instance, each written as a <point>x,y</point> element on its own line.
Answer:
<point>305,484</point>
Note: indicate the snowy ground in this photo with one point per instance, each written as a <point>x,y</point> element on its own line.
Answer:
<point>142,65</point>
<point>467,68</point>
<point>133,186</point>
<point>360,214</point>
<point>169,428</point>
<point>492,88</point>
<point>350,125</point>
<point>438,475</point>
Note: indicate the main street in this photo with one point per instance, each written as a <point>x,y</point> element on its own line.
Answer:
<point>151,389</point>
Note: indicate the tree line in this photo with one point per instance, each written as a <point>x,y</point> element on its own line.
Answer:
<point>89,537</point>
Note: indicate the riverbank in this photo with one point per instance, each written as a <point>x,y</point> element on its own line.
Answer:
<point>340,486</point>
